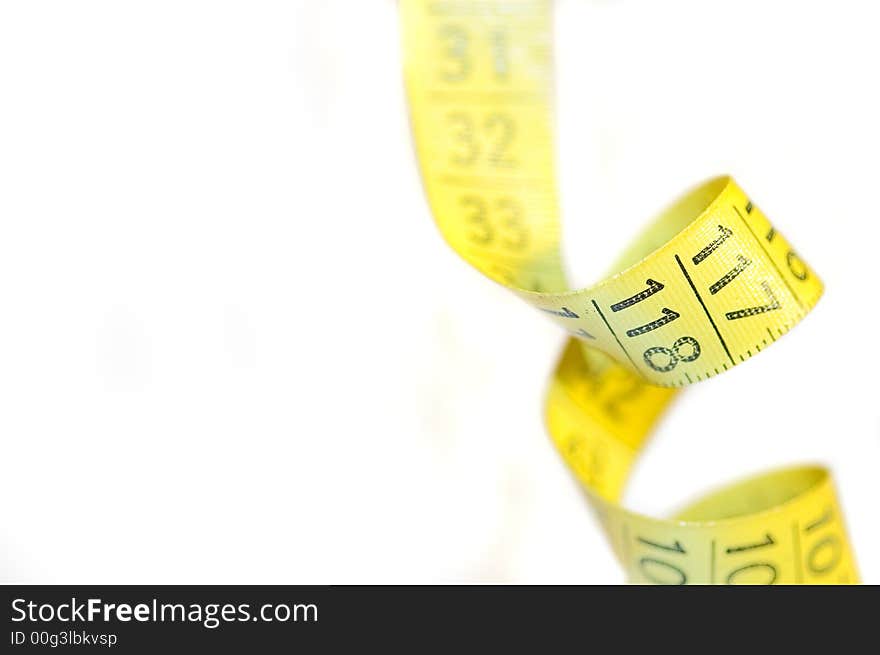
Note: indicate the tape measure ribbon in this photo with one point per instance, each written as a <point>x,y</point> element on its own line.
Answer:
<point>707,285</point>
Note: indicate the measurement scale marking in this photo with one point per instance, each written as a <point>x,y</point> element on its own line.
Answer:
<point>770,257</point>
<point>705,309</point>
<point>610,329</point>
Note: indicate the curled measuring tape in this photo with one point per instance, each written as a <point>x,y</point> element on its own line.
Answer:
<point>709,284</point>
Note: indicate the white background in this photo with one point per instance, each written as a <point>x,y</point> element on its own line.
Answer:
<point>233,347</point>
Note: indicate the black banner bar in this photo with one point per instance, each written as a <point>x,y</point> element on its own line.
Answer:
<point>285,619</point>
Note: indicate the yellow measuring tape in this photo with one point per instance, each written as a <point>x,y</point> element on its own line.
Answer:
<point>709,284</point>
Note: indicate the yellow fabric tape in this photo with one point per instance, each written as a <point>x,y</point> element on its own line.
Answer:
<point>708,285</point>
